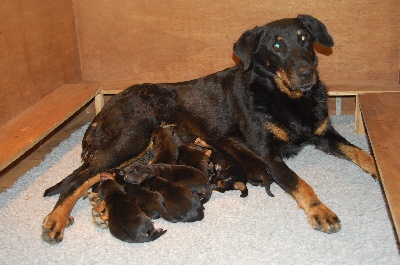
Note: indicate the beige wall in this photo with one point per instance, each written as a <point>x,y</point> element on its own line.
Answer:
<point>154,41</point>
<point>38,52</point>
<point>184,39</point>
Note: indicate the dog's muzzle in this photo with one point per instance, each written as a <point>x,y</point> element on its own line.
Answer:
<point>304,78</point>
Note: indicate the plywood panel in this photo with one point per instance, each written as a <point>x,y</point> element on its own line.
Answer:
<point>380,113</point>
<point>184,39</point>
<point>39,52</point>
<point>36,122</point>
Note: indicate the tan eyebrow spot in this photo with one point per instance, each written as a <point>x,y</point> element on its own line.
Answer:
<point>279,38</point>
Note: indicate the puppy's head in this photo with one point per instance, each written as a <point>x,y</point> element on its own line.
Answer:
<point>284,50</point>
<point>107,187</point>
<point>138,173</point>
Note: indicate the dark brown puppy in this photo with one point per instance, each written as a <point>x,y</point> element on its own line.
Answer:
<point>164,145</point>
<point>126,220</point>
<point>181,204</point>
<point>189,177</point>
<point>151,203</point>
<point>229,174</point>
<point>190,155</point>
<point>260,111</point>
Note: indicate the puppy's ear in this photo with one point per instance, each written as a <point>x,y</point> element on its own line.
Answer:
<point>317,29</point>
<point>245,46</point>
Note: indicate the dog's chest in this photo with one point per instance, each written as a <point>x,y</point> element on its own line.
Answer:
<point>290,126</point>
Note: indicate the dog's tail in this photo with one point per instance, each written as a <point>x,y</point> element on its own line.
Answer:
<point>53,190</point>
<point>57,188</point>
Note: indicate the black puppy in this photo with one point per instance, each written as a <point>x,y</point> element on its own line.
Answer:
<point>181,204</point>
<point>189,177</point>
<point>260,111</point>
<point>126,220</point>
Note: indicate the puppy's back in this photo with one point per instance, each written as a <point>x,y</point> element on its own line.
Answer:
<point>126,220</point>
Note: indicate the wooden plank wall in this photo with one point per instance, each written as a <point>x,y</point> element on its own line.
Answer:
<point>172,41</point>
<point>39,52</point>
<point>184,39</point>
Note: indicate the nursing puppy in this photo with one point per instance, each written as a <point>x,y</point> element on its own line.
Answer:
<point>151,202</point>
<point>126,220</point>
<point>181,204</point>
<point>229,174</point>
<point>189,177</point>
<point>190,155</point>
<point>165,148</point>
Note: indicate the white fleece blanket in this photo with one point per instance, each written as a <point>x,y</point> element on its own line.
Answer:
<point>255,230</point>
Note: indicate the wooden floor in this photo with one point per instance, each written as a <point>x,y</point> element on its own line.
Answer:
<point>380,112</point>
<point>33,157</point>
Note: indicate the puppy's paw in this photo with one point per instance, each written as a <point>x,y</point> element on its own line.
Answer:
<point>323,219</point>
<point>242,187</point>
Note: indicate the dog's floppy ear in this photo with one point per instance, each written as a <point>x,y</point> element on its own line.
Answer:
<point>245,46</point>
<point>317,29</point>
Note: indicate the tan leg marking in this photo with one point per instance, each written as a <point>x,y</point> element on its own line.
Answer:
<point>56,221</point>
<point>277,131</point>
<point>282,81</point>
<point>318,214</point>
<point>360,158</point>
<point>322,127</point>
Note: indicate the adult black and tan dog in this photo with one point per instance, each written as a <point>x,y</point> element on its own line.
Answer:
<point>259,112</point>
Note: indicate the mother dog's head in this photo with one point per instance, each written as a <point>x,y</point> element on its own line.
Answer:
<point>284,50</point>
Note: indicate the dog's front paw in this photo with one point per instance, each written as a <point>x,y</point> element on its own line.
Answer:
<point>54,225</point>
<point>323,219</point>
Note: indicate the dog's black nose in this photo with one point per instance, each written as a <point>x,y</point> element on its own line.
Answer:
<point>305,73</point>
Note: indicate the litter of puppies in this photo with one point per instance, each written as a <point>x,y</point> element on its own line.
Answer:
<point>174,185</point>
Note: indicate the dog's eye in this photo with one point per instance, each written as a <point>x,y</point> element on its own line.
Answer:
<point>303,38</point>
<point>277,46</point>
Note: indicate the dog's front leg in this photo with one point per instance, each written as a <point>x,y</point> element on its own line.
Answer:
<point>333,143</point>
<point>318,214</point>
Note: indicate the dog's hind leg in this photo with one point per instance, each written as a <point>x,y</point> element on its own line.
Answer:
<point>82,179</point>
<point>55,222</point>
